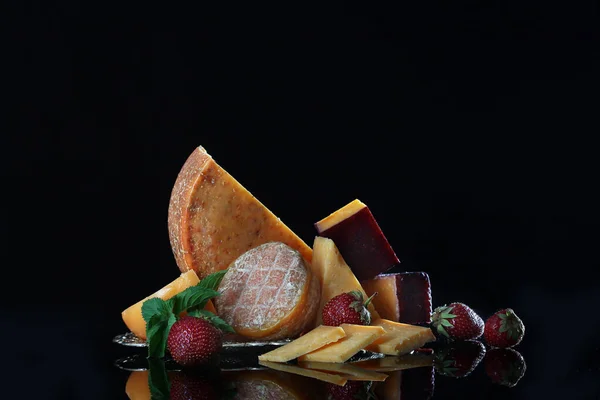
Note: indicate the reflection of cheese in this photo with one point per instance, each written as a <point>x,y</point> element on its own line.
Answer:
<point>400,338</point>
<point>313,340</point>
<point>350,371</point>
<point>397,363</point>
<point>335,275</point>
<point>357,338</point>
<point>294,369</point>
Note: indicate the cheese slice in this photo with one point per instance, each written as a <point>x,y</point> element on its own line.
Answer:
<point>294,369</point>
<point>311,341</point>
<point>350,371</point>
<point>335,275</point>
<point>357,338</point>
<point>400,338</point>
<point>213,219</point>
<point>397,363</point>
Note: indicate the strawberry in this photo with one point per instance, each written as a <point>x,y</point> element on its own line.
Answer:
<point>504,366</point>
<point>185,386</point>
<point>459,358</point>
<point>347,308</point>
<point>193,341</point>
<point>503,329</point>
<point>352,390</point>
<point>457,321</point>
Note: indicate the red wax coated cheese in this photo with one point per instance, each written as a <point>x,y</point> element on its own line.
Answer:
<point>401,297</point>
<point>269,292</point>
<point>359,239</point>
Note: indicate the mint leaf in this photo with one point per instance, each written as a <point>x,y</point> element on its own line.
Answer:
<point>158,380</point>
<point>213,319</point>
<point>192,297</point>
<point>213,280</point>
<point>155,306</point>
<point>157,332</point>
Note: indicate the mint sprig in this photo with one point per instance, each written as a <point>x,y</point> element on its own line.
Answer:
<point>160,315</point>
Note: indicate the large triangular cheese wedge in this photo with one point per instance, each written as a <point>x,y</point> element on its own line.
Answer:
<point>335,275</point>
<point>213,219</point>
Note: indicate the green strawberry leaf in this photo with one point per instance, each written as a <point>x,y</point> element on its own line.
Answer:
<point>440,329</point>
<point>192,297</point>
<point>213,319</point>
<point>157,332</point>
<point>158,380</point>
<point>446,323</point>
<point>213,280</point>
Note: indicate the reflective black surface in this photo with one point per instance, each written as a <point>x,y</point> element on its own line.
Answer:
<point>467,129</point>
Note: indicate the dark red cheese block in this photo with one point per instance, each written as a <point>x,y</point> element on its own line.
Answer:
<point>359,239</point>
<point>401,297</point>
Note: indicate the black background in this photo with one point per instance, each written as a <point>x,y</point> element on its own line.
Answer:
<point>466,127</point>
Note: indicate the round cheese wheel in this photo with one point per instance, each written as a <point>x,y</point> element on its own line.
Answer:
<point>269,292</point>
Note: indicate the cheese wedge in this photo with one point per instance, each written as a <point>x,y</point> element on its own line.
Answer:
<point>335,275</point>
<point>294,369</point>
<point>350,371</point>
<point>357,338</point>
<point>213,219</point>
<point>397,363</point>
<point>132,315</point>
<point>311,341</point>
<point>400,338</point>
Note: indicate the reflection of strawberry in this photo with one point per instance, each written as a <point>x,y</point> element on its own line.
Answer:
<point>504,366</point>
<point>347,308</point>
<point>194,341</point>
<point>459,358</point>
<point>352,390</point>
<point>457,321</point>
<point>503,329</point>
<point>186,386</point>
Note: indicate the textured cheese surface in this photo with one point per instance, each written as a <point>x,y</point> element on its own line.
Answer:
<point>350,371</point>
<point>212,218</point>
<point>400,338</point>
<point>335,275</point>
<point>357,337</point>
<point>269,292</point>
<point>132,316</point>
<point>397,363</point>
<point>311,341</point>
<point>295,369</point>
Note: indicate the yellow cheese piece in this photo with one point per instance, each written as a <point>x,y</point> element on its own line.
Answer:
<point>397,363</point>
<point>294,369</point>
<point>213,218</point>
<point>400,338</point>
<point>341,214</point>
<point>350,371</point>
<point>357,338</point>
<point>311,341</point>
<point>132,315</point>
<point>335,275</point>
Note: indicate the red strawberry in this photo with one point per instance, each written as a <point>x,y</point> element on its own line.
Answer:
<point>459,358</point>
<point>504,366</point>
<point>503,329</point>
<point>192,387</point>
<point>457,321</point>
<point>347,308</point>
<point>352,390</point>
<point>193,341</point>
